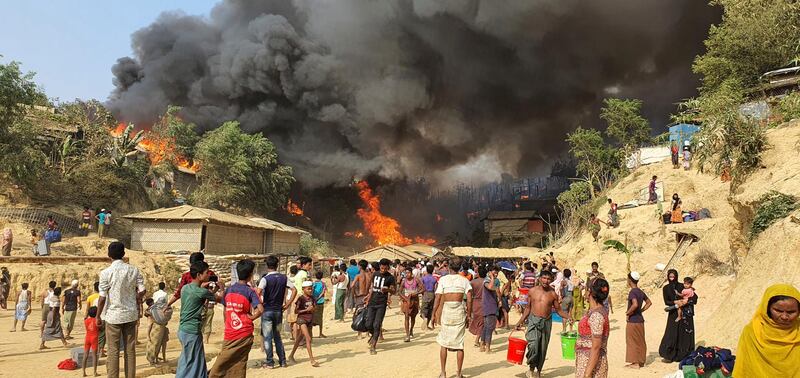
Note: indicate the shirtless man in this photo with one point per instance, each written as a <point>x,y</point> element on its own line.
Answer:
<point>359,286</point>
<point>541,301</point>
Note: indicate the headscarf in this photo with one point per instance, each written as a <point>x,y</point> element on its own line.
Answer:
<point>765,350</point>
<point>676,285</point>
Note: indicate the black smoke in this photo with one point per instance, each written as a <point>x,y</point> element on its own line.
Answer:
<point>453,90</point>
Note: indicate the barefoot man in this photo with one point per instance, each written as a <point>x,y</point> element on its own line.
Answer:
<point>541,300</point>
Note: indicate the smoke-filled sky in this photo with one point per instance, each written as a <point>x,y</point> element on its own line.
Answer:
<point>453,90</point>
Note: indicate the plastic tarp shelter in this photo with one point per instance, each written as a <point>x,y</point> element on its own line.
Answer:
<point>682,132</point>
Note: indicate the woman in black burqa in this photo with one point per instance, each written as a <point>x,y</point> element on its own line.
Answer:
<point>678,340</point>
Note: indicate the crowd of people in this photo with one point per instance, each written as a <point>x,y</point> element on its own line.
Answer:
<point>456,296</point>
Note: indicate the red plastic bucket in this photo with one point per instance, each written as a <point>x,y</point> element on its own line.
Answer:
<point>523,296</point>
<point>516,349</point>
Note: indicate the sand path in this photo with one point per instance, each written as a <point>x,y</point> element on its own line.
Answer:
<point>342,354</point>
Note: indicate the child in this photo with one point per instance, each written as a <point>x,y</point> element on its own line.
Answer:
<point>157,333</point>
<point>687,292</point>
<point>91,341</point>
<point>319,304</point>
<point>409,296</point>
<point>23,308</point>
<point>192,362</point>
<point>304,310</point>
<point>51,328</point>
<point>242,307</point>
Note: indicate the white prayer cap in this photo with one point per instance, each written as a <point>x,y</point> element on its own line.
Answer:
<point>636,276</point>
<point>74,283</point>
<point>307,283</point>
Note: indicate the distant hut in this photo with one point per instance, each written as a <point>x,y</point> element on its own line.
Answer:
<point>516,228</point>
<point>189,228</point>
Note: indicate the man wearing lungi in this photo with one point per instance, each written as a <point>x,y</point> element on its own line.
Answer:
<point>541,299</point>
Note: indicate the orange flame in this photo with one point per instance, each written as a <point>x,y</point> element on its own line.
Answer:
<point>119,129</point>
<point>159,149</point>
<point>383,229</point>
<point>354,234</point>
<point>293,209</point>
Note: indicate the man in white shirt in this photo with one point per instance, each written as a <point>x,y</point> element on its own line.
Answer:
<point>121,292</point>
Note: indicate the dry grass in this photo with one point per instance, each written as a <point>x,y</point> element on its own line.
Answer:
<point>705,262</point>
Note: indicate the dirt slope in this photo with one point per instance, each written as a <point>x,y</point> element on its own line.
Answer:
<point>727,301</point>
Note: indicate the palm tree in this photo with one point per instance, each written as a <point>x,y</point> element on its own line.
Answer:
<point>622,248</point>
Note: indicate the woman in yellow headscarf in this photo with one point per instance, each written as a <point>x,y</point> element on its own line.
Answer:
<point>770,345</point>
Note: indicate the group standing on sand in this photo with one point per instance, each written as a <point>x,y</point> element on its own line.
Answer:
<point>769,345</point>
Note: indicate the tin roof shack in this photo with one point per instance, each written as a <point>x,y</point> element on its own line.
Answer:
<point>508,229</point>
<point>189,228</point>
<point>780,82</point>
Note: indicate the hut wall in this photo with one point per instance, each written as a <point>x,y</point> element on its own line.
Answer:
<point>285,242</point>
<point>229,240</point>
<point>154,236</point>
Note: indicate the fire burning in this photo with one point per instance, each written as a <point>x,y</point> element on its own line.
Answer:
<point>158,149</point>
<point>293,209</point>
<point>383,229</point>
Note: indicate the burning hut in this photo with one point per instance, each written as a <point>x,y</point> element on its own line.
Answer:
<point>514,228</point>
<point>189,228</point>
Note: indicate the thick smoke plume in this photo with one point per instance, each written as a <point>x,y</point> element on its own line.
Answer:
<point>448,89</point>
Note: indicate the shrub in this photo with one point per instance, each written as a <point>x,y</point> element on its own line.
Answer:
<point>788,108</point>
<point>311,246</point>
<point>773,206</point>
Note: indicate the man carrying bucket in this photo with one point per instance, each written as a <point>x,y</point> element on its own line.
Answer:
<point>541,299</point>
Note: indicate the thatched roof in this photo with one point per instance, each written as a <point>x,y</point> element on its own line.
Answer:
<point>496,253</point>
<point>187,213</point>
<point>388,251</point>
<point>498,215</point>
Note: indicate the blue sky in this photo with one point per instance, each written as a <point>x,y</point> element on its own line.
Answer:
<point>71,45</point>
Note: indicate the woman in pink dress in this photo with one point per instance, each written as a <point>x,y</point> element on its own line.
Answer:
<point>592,344</point>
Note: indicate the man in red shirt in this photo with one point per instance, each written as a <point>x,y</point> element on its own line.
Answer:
<point>186,277</point>
<point>242,306</point>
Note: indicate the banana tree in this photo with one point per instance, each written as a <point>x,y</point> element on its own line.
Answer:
<point>622,248</point>
<point>124,145</point>
<point>67,149</point>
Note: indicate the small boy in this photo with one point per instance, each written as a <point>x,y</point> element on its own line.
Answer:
<point>687,292</point>
<point>305,315</point>
<point>318,293</point>
<point>242,307</point>
<point>157,332</point>
<point>192,361</point>
<point>91,341</point>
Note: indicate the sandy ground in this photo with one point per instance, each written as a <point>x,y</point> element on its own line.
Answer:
<point>342,354</point>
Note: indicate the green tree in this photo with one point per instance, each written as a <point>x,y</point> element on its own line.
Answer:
<point>311,246</point>
<point>240,171</point>
<point>754,36</point>
<point>728,140</point>
<point>625,123</point>
<point>597,162</point>
<point>18,92</point>
<point>183,135</point>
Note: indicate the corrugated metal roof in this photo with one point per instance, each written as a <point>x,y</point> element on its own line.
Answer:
<point>191,213</point>
<point>388,251</point>
<point>495,215</point>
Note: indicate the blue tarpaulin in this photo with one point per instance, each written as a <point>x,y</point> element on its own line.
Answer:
<point>682,132</point>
